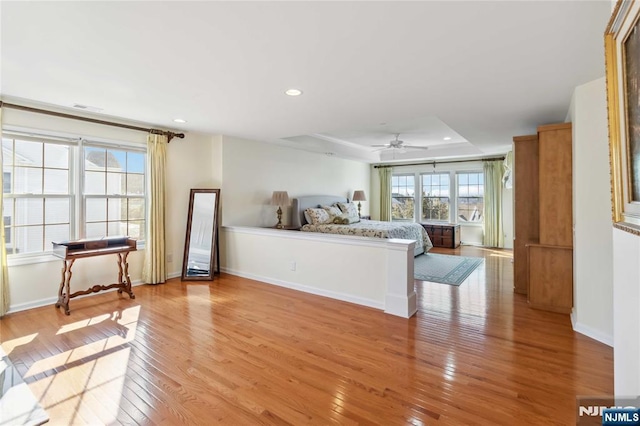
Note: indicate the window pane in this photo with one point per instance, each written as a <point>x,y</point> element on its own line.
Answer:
<point>28,153</point>
<point>94,183</point>
<point>116,228</point>
<point>473,178</point>
<point>116,183</point>
<point>56,181</point>
<point>135,162</point>
<point>7,151</point>
<point>463,191</point>
<point>29,211</point>
<point>463,179</point>
<point>28,239</point>
<point>56,156</point>
<point>402,208</point>
<point>94,158</point>
<point>96,230</point>
<point>27,180</point>
<point>6,180</point>
<point>56,210</point>
<point>136,230</point>
<point>55,233</point>
<point>116,209</point>
<point>116,160</point>
<point>135,184</point>
<point>96,210</point>
<point>136,209</point>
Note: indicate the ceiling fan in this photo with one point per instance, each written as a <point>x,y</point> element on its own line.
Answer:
<point>397,144</point>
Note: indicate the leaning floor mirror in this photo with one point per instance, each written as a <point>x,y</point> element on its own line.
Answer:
<point>200,248</point>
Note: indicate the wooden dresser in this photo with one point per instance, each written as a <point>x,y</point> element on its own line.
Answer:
<point>443,234</point>
<point>543,216</point>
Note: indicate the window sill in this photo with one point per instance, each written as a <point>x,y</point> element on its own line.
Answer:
<point>471,224</point>
<point>44,257</point>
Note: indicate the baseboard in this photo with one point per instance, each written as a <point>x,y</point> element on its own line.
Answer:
<point>591,333</point>
<point>52,300</point>
<point>307,289</point>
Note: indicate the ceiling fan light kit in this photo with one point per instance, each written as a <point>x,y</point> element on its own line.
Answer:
<point>397,144</point>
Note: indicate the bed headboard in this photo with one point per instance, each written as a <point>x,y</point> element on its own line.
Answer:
<point>300,204</point>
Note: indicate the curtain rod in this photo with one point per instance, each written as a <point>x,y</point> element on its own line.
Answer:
<point>168,134</point>
<point>438,162</point>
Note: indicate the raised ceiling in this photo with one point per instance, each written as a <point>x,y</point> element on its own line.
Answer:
<point>481,71</point>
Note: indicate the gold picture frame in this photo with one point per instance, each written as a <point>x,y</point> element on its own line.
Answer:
<point>622,60</point>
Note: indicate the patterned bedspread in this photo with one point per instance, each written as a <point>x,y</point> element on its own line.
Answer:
<point>376,229</point>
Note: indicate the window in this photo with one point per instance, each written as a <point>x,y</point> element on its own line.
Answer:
<point>402,197</point>
<point>435,196</point>
<point>114,202</point>
<point>42,176</point>
<point>37,197</point>
<point>470,197</point>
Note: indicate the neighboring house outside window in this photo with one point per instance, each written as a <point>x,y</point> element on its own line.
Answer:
<point>42,176</point>
<point>435,197</point>
<point>470,197</point>
<point>402,197</point>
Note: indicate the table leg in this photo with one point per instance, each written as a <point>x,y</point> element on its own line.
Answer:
<point>65,286</point>
<point>123,272</point>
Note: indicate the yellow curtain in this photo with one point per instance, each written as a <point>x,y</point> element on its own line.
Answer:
<point>154,270</point>
<point>385,193</point>
<point>493,233</point>
<point>4,271</point>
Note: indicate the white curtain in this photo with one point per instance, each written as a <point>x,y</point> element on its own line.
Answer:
<point>385,193</point>
<point>4,271</point>
<point>493,233</point>
<point>154,270</point>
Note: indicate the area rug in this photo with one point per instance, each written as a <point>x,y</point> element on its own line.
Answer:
<point>18,405</point>
<point>443,268</point>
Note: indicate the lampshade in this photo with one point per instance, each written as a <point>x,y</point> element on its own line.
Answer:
<point>280,198</point>
<point>359,196</point>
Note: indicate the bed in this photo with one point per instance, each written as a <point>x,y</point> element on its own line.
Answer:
<point>363,228</point>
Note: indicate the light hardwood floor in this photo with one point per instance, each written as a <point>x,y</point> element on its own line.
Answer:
<point>241,352</point>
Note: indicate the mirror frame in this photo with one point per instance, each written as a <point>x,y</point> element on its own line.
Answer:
<point>214,259</point>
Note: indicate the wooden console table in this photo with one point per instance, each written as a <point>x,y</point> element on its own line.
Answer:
<point>69,251</point>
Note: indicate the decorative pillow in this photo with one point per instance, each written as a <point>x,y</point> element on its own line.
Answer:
<point>317,216</point>
<point>333,211</point>
<point>349,208</point>
<point>345,219</point>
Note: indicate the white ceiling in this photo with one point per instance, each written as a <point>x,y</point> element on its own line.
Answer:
<point>479,72</point>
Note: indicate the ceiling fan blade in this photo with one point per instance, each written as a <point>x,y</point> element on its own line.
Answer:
<point>380,146</point>
<point>415,146</point>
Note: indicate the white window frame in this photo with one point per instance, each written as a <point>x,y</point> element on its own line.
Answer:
<point>76,182</point>
<point>453,171</point>
<point>415,204</point>
<point>457,183</point>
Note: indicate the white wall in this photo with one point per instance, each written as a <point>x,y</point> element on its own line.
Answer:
<point>368,271</point>
<point>253,170</point>
<point>593,242</point>
<point>626,315</point>
<point>192,162</point>
<point>469,234</point>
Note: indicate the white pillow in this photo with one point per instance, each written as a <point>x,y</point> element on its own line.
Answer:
<point>317,216</point>
<point>333,211</point>
<point>349,208</point>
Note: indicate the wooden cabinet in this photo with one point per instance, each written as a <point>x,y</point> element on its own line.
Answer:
<point>443,234</point>
<point>543,216</point>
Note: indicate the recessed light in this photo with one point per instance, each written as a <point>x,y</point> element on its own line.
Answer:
<point>293,92</point>
<point>179,120</point>
<point>447,138</point>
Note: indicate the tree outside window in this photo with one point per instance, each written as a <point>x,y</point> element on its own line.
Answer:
<point>470,197</point>
<point>402,197</point>
<point>435,196</point>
